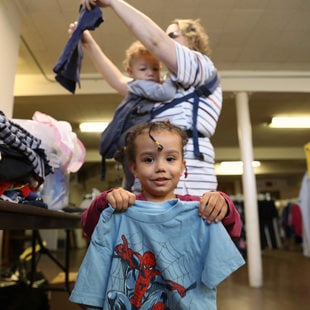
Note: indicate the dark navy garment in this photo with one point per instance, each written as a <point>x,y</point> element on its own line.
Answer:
<point>68,66</point>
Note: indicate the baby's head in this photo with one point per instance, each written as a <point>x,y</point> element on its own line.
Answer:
<point>140,64</point>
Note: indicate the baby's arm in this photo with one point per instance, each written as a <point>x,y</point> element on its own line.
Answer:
<point>154,91</point>
<point>109,71</point>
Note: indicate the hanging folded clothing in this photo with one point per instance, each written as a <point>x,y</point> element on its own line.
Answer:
<point>68,66</point>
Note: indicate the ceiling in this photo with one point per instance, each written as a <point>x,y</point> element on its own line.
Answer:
<point>269,36</point>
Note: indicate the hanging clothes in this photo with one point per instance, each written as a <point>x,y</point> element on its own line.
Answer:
<point>268,214</point>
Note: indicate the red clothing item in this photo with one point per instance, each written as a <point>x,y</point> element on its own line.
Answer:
<point>296,220</point>
<point>4,186</point>
<point>90,216</point>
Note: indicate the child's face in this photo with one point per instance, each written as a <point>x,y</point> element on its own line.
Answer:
<point>158,171</point>
<point>145,67</point>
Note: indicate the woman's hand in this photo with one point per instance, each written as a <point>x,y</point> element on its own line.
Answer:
<point>121,199</point>
<point>101,3</point>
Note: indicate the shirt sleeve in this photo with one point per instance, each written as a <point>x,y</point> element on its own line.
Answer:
<point>222,257</point>
<point>193,67</point>
<point>152,90</point>
<point>90,216</point>
<point>232,222</point>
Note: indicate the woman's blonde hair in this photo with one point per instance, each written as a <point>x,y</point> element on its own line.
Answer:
<point>197,38</point>
<point>136,49</point>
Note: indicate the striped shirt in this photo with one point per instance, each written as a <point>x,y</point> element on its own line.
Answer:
<point>21,140</point>
<point>193,69</point>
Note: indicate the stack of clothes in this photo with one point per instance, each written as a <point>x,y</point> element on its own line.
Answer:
<point>23,163</point>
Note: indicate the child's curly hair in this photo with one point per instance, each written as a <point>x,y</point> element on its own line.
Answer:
<point>135,50</point>
<point>149,128</point>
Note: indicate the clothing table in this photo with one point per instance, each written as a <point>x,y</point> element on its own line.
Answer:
<point>21,216</point>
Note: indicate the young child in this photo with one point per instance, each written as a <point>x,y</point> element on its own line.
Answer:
<point>213,206</point>
<point>158,254</point>
<point>145,71</point>
<point>144,90</point>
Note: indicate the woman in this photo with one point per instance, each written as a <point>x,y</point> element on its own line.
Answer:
<point>183,49</point>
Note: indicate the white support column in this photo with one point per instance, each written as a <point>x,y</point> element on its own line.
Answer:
<point>9,34</point>
<point>249,191</point>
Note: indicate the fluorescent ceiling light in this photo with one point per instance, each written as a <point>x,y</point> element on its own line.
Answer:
<point>237,164</point>
<point>93,126</point>
<point>290,122</point>
<point>232,167</point>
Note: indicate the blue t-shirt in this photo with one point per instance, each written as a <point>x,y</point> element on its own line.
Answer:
<point>155,254</point>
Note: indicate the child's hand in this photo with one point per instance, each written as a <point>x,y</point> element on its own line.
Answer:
<point>72,28</point>
<point>120,199</point>
<point>212,207</point>
<point>86,36</point>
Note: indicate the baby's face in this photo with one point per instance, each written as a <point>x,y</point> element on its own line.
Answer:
<point>145,67</point>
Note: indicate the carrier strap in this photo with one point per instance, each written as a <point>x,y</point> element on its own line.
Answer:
<point>203,90</point>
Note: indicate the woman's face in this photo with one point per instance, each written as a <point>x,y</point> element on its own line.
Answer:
<point>174,32</point>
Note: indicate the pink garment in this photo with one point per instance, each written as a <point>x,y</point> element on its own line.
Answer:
<point>69,148</point>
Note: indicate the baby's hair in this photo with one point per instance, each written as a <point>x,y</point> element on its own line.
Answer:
<point>149,128</point>
<point>196,36</point>
<point>136,49</point>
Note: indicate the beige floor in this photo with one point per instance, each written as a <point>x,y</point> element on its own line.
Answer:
<point>286,284</point>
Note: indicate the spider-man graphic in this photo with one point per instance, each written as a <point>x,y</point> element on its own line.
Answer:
<point>145,288</point>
